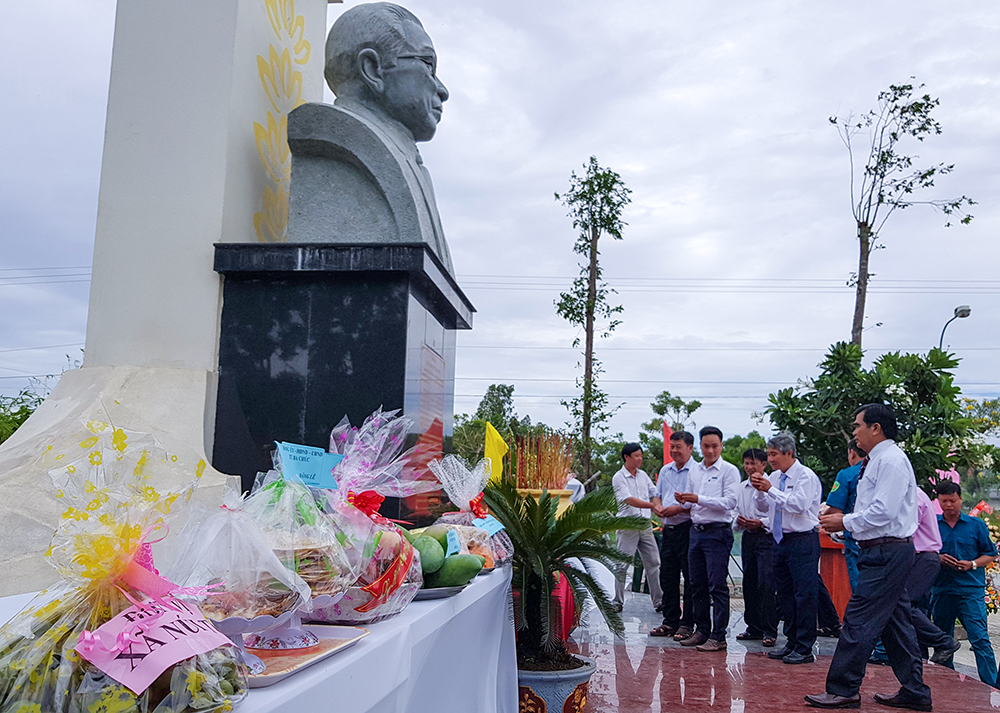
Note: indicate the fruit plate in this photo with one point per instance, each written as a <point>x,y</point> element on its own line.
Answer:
<point>485,570</point>
<point>282,663</point>
<point>438,592</point>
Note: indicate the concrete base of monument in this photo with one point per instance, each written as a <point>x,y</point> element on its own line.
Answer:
<point>174,405</point>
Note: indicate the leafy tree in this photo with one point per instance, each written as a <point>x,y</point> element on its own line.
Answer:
<point>677,413</point>
<point>595,201</point>
<point>497,406</point>
<point>934,428</point>
<point>888,180</point>
<point>14,410</point>
<point>734,447</point>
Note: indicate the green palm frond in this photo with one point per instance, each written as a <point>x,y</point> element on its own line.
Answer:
<point>544,544</point>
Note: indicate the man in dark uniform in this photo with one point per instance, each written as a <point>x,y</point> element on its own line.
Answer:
<point>883,523</point>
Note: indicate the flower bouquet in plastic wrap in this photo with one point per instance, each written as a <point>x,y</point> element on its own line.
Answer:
<point>374,468</point>
<point>308,542</point>
<point>478,531</point>
<point>111,636</point>
<point>244,587</point>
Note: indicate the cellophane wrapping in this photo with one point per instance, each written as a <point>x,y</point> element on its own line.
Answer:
<point>225,548</point>
<point>464,486</point>
<point>375,467</point>
<point>112,489</point>
<point>305,539</point>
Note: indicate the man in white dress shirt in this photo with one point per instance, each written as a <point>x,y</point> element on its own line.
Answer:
<point>791,495</point>
<point>675,477</point>
<point>757,549</point>
<point>883,523</point>
<point>634,489</point>
<point>714,485</point>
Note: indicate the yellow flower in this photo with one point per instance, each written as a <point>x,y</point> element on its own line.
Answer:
<point>96,457</point>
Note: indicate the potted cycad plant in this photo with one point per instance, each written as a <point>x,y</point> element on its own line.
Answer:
<point>546,546</point>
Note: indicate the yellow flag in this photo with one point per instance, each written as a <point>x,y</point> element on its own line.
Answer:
<point>496,449</point>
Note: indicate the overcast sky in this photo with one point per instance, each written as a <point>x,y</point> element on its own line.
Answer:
<point>733,267</point>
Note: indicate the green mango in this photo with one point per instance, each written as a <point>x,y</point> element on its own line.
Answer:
<point>431,553</point>
<point>410,537</point>
<point>456,571</point>
<point>439,533</point>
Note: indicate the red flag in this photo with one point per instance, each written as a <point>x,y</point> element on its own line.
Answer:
<point>667,433</point>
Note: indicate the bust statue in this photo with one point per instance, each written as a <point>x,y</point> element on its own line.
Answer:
<point>357,176</point>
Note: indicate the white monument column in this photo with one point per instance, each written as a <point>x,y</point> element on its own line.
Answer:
<point>195,153</point>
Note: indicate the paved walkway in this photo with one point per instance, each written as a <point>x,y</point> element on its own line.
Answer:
<point>643,674</point>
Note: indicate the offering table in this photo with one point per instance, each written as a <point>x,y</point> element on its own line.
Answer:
<point>437,656</point>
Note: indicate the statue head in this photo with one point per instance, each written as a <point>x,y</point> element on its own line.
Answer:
<point>379,55</point>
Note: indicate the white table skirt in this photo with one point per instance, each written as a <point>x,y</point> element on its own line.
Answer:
<point>438,656</point>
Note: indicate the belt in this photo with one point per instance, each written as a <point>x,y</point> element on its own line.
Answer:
<point>794,535</point>
<point>702,527</point>
<point>865,544</point>
<point>677,526</point>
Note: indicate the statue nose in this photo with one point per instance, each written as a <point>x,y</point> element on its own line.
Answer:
<point>442,90</point>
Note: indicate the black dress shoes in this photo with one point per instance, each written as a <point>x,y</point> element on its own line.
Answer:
<point>829,700</point>
<point>899,701</point>
<point>794,658</point>
<point>779,654</point>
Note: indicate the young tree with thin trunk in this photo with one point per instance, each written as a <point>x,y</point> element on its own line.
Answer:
<point>888,180</point>
<point>595,201</point>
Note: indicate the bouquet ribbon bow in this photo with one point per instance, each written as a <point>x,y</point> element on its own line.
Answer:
<point>478,507</point>
<point>142,576</point>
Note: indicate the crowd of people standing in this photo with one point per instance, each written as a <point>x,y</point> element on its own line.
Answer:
<point>912,572</point>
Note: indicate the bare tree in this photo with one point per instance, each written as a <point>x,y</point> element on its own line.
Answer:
<point>889,180</point>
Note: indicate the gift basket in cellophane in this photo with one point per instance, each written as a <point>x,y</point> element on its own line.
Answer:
<point>375,467</point>
<point>308,542</point>
<point>111,636</point>
<point>479,533</point>
<point>243,587</point>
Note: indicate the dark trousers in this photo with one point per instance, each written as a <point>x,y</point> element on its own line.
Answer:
<point>674,545</point>
<point>761,615</point>
<point>708,558</point>
<point>926,566</point>
<point>879,606</point>
<point>796,564</point>
<point>826,612</point>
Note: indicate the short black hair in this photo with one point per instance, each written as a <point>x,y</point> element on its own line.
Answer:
<point>852,445</point>
<point>682,436</point>
<point>883,415</point>
<point>630,448</point>
<point>948,487</point>
<point>710,431</point>
<point>756,454</point>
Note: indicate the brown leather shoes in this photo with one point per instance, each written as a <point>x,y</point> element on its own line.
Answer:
<point>712,645</point>
<point>829,700</point>
<point>696,639</point>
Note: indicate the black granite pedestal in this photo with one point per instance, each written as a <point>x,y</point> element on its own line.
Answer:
<point>311,332</point>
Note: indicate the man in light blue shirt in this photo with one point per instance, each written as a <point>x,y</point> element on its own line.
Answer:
<point>675,477</point>
<point>712,497</point>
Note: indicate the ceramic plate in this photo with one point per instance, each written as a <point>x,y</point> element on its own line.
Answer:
<point>283,663</point>
<point>438,592</point>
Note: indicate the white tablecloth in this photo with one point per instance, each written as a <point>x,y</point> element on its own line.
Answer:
<point>452,655</point>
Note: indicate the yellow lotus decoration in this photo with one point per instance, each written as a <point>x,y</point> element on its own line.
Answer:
<point>281,80</point>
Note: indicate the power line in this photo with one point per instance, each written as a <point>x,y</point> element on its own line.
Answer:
<point>707,349</point>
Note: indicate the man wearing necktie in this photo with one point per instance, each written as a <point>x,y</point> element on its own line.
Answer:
<point>883,523</point>
<point>792,493</point>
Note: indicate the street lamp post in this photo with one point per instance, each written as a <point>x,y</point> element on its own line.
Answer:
<point>960,311</point>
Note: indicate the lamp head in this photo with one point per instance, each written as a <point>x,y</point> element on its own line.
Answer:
<point>963,311</point>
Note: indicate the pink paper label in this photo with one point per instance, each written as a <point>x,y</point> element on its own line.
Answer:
<point>142,642</point>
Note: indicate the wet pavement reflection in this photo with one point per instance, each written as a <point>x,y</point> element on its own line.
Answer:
<point>640,674</point>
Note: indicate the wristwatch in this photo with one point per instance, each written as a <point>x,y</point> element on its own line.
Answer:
<point>974,565</point>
